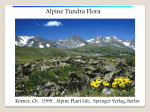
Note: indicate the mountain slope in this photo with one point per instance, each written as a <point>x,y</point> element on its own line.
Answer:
<point>109,50</point>
<point>101,40</point>
<point>36,41</point>
<point>27,54</point>
<point>73,42</point>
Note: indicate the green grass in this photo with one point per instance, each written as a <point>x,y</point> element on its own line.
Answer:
<point>106,51</point>
<point>89,91</point>
<point>109,53</point>
<point>42,77</point>
<point>130,61</point>
<point>29,54</point>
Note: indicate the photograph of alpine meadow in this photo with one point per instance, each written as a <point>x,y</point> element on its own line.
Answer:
<point>75,58</point>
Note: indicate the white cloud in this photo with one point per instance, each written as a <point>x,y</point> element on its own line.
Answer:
<point>53,23</point>
<point>37,24</point>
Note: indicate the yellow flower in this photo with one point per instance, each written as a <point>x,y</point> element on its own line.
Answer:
<point>117,80</point>
<point>128,80</point>
<point>96,84</point>
<point>106,83</point>
<point>89,72</point>
<point>122,85</point>
<point>23,85</point>
<point>92,83</point>
<point>123,81</point>
<point>114,84</point>
<point>99,80</point>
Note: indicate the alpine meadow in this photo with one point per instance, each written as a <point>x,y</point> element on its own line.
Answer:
<point>68,58</point>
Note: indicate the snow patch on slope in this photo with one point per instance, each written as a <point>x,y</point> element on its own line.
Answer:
<point>118,46</point>
<point>48,45</point>
<point>32,42</point>
<point>90,40</point>
<point>119,40</point>
<point>41,46</point>
<point>24,39</point>
<point>81,45</point>
<point>107,38</point>
<point>126,43</point>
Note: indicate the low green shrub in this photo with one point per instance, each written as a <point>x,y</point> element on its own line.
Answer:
<point>16,65</point>
<point>39,60</point>
<point>55,75</point>
<point>130,61</point>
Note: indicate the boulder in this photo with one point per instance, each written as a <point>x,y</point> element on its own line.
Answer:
<point>49,85</point>
<point>46,92</point>
<point>45,67</point>
<point>109,77</point>
<point>27,65</point>
<point>130,75</point>
<point>92,69</point>
<point>63,64</point>
<point>19,92</point>
<point>132,69</point>
<point>67,60</point>
<point>78,57</point>
<point>73,75</point>
<point>19,68</point>
<point>110,67</point>
<point>52,95</point>
<point>106,91</point>
<point>27,71</point>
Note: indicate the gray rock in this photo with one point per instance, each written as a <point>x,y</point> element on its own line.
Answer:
<point>82,75</point>
<point>19,92</point>
<point>109,77</point>
<point>39,88</point>
<point>73,75</point>
<point>92,69</point>
<point>132,69</point>
<point>32,67</point>
<point>110,67</point>
<point>52,95</point>
<point>41,93</point>
<point>130,75</point>
<point>49,85</point>
<point>107,91</point>
<point>63,64</point>
<point>44,67</point>
<point>78,57</point>
<point>133,83</point>
<point>47,92</point>
<point>19,68</point>
<point>35,93</point>
<point>27,65</point>
<point>57,87</point>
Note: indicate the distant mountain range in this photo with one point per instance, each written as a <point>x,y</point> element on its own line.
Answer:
<point>72,42</point>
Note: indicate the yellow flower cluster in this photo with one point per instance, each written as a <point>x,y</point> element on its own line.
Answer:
<point>121,81</point>
<point>106,83</point>
<point>98,82</point>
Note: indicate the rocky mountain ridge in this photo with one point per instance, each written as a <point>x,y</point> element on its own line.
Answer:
<point>72,42</point>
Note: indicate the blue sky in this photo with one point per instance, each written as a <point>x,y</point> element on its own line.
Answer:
<point>56,29</point>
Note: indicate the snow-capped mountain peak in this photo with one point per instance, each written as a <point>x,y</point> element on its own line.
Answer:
<point>71,42</point>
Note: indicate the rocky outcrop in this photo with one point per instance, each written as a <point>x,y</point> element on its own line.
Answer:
<point>91,70</point>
